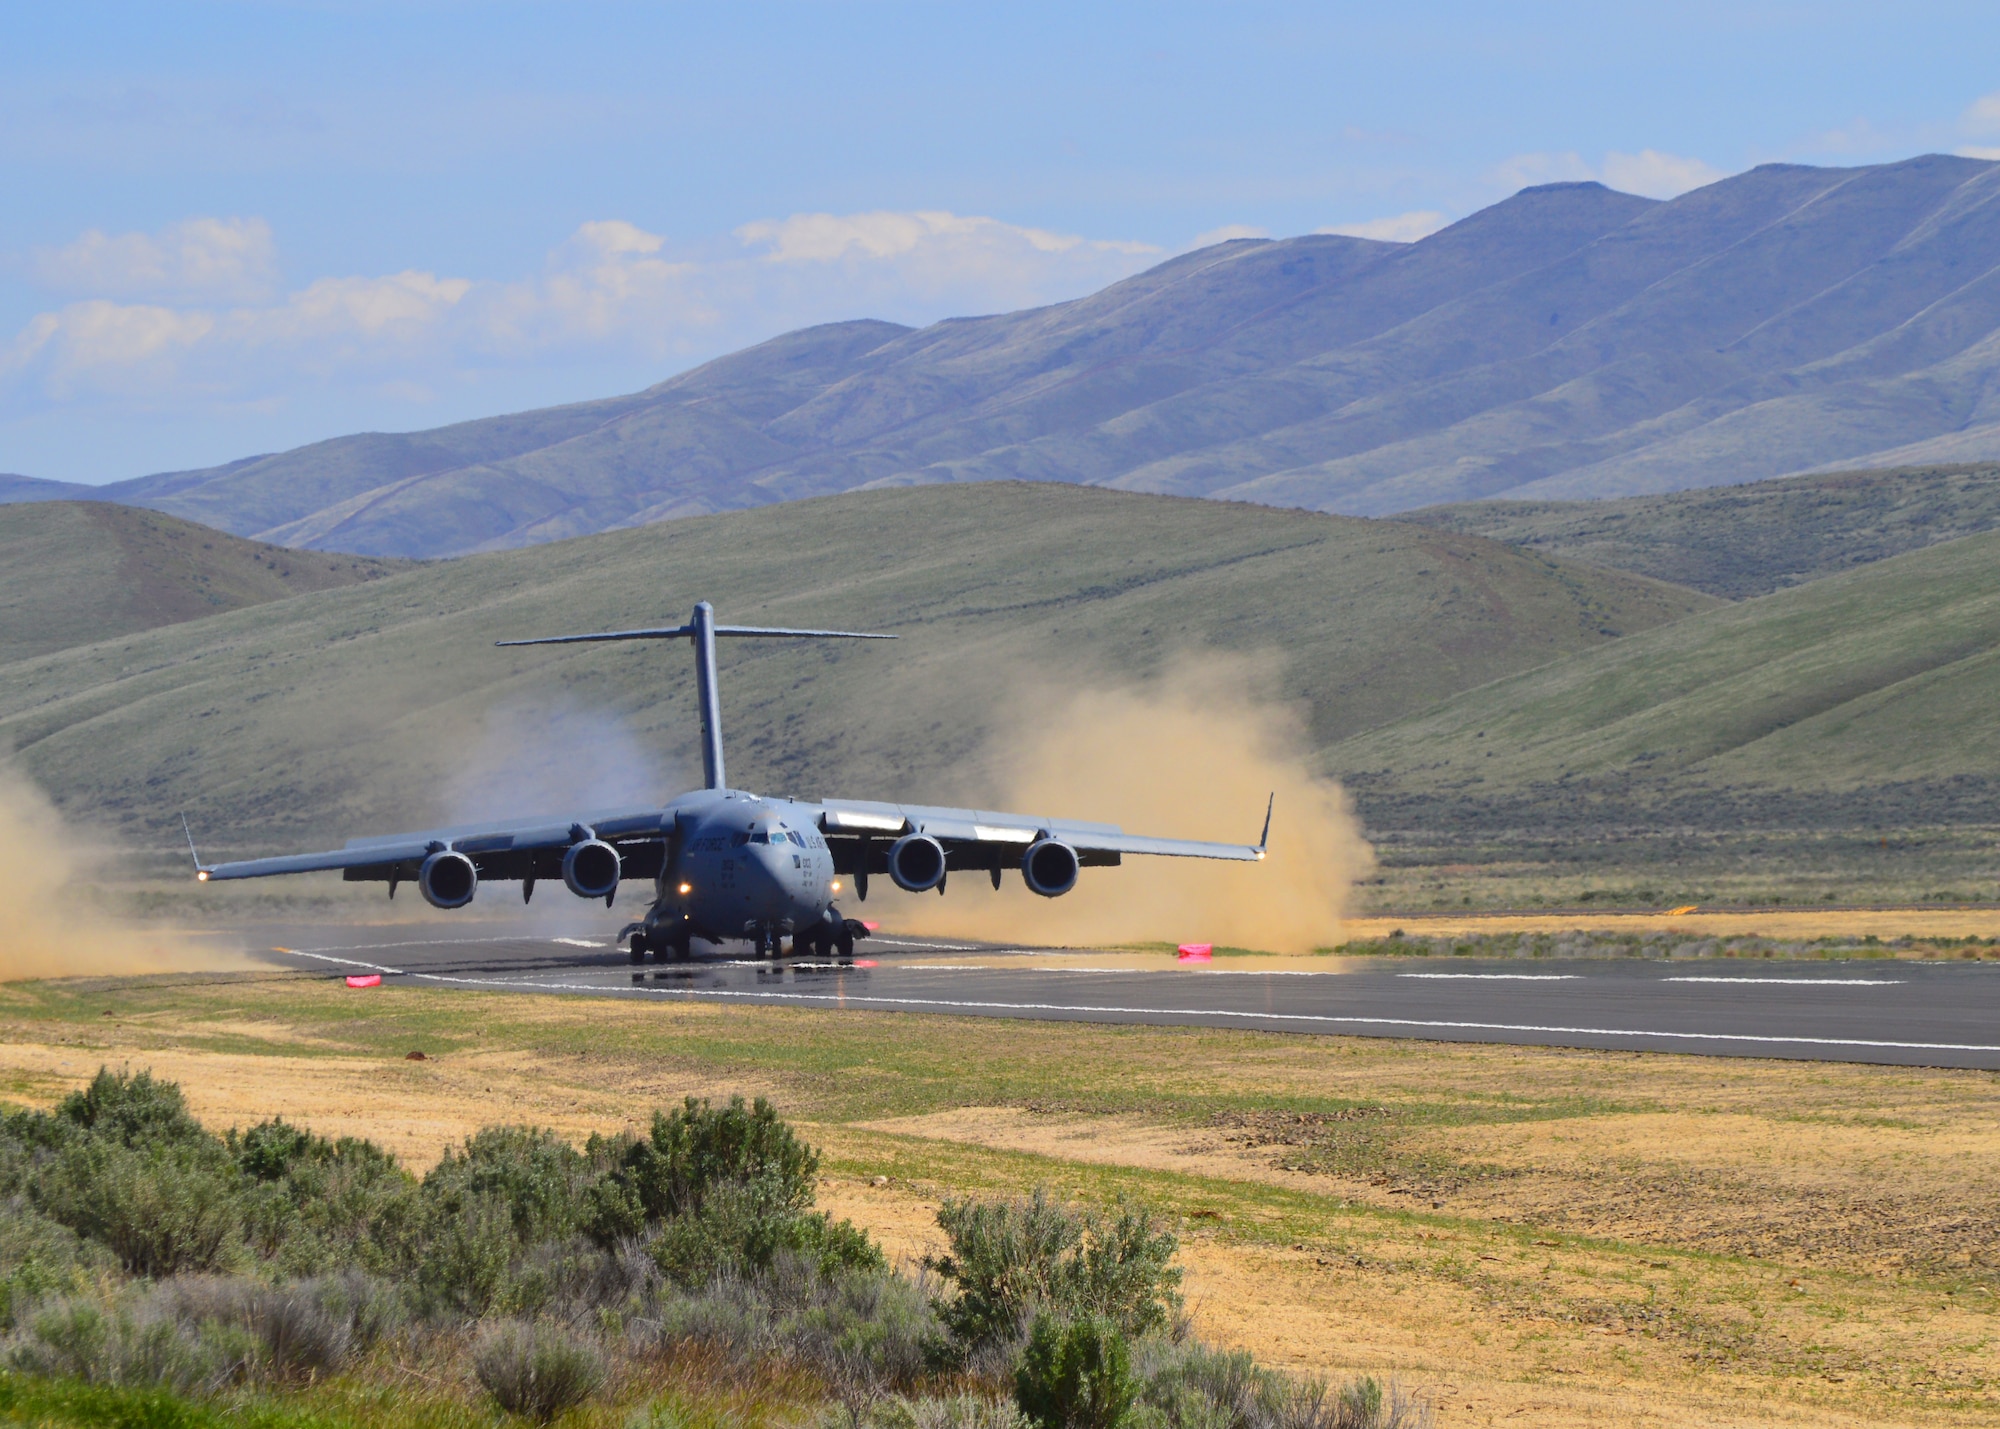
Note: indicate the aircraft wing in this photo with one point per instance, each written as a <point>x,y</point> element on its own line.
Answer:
<point>972,838</point>
<point>528,848</point>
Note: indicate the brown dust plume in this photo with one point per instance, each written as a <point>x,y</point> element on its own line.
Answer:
<point>49,923</point>
<point>1193,754</point>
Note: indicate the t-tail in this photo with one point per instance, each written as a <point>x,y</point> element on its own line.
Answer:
<point>702,631</point>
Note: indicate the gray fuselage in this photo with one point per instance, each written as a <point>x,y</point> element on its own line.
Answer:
<point>742,865</point>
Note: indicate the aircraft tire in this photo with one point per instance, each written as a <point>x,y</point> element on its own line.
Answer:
<point>843,944</point>
<point>682,948</point>
<point>639,947</point>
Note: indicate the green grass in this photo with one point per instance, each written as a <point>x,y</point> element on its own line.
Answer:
<point>74,572</point>
<point>385,706</point>
<point>1861,700</point>
<point>1740,541</point>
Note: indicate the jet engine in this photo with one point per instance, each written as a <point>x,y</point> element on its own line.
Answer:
<point>916,863</point>
<point>1050,867</point>
<point>591,869</point>
<point>447,879</point>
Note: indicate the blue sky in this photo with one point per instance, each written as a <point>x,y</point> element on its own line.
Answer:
<point>235,228</point>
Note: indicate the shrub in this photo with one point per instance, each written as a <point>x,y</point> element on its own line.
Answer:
<point>131,1346</point>
<point>1075,1374</point>
<point>40,1258</point>
<point>740,1228</point>
<point>693,1151</point>
<point>134,1111</point>
<point>536,1370</point>
<point>538,1177</point>
<point>864,1331</point>
<point>1010,1260</point>
<point>162,1208</point>
<point>302,1328</point>
<point>1191,1386</point>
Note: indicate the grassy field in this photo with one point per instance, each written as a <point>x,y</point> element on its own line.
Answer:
<point>384,706</point>
<point>1741,541</point>
<point>1573,1237</point>
<point>74,572</point>
<point>1857,701</point>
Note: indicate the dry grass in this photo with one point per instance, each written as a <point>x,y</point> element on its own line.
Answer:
<point>1533,1235</point>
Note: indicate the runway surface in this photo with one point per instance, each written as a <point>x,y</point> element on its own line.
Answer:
<point>1904,1013</point>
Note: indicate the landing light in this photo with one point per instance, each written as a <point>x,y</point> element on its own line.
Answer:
<point>687,888</point>
<point>836,885</point>
<point>201,876</point>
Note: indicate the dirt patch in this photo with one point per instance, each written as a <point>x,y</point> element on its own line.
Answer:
<point>1800,924</point>
<point>413,1109</point>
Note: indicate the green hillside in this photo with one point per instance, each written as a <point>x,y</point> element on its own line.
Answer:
<point>1861,698</point>
<point>384,705</point>
<point>76,571</point>
<point>1739,541</point>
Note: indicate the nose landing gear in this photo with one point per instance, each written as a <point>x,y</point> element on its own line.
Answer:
<point>659,942</point>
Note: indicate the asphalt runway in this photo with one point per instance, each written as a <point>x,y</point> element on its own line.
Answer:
<point>1900,1013</point>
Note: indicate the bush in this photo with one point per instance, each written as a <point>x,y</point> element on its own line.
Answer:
<point>1190,1386</point>
<point>1075,1374</point>
<point>1011,1260</point>
<point>131,1346</point>
<point>536,1370</point>
<point>693,1151</point>
<point>161,1209</point>
<point>539,1179</point>
<point>134,1111</point>
<point>741,1228</point>
<point>41,1258</point>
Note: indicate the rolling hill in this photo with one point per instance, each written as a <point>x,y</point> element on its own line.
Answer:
<point>73,572</point>
<point>1740,541</point>
<point>384,705</point>
<point>1568,342</point>
<point>1860,699</point>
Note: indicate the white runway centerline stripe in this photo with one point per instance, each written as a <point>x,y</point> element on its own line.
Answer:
<point>1801,981</point>
<point>846,999</point>
<point>1503,977</point>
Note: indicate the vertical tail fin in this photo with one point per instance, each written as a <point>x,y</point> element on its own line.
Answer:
<point>702,631</point>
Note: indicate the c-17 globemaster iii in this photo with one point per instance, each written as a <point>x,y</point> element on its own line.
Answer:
<point>729,864</point>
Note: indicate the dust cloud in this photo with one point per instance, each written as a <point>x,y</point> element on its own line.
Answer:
<point>1192,754</point>
<point>558,761</point>
<point>50,922</point>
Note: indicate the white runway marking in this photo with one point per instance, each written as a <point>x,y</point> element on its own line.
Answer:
<point>843,999</point>
<point>579,943</point>
<point>1801,981</point>
<point>1503,977</point>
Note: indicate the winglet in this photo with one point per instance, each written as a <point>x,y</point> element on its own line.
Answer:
<point>1264,839</point>
<point>200,872</point>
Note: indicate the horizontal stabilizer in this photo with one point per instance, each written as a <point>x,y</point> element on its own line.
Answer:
<point>688,631</point>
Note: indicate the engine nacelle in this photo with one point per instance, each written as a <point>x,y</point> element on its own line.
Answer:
<point>447,879</point>
<point>916,863</point>
<point>1050,867</point>
<point>591,869</point>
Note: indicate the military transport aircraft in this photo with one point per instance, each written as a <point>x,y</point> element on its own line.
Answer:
<point>727,864</point>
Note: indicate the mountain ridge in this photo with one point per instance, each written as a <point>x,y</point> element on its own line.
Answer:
<point>1567,342</point>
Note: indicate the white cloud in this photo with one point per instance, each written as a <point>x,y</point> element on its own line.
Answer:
<point>1227,232</point>
<point>1527,170</point>
<point>1397,228</point>
<point>611,292</point>
<point>1657,175</point>
<point>1976,151</point>
<point>1651,172</point>
<point>226,259</point>
<point>1982,116</point>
